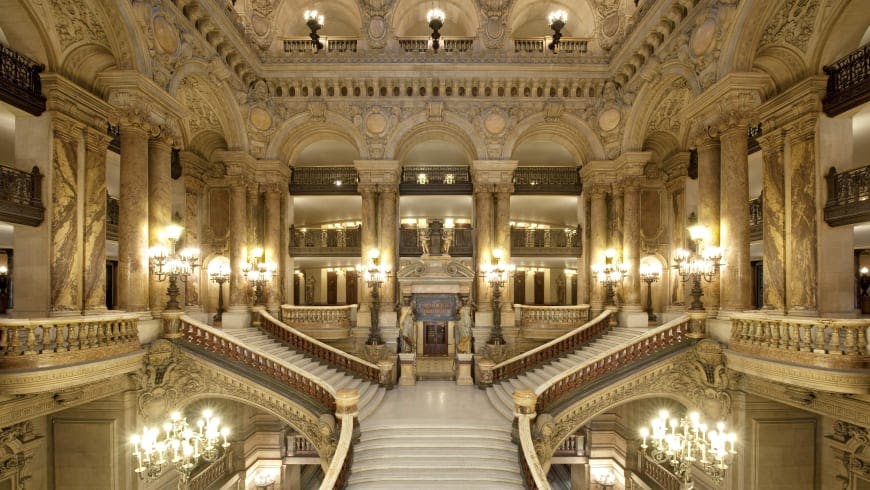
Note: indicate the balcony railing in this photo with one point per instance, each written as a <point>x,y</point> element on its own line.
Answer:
<point>848,196</point>
<point>449,44</point>
<point>756,219</point>
<point>532,242</point>
<point>56,341</point>
<point>324,180</point>
<point>320,322</point>
<point>300,447</point>
<point>848,82</point>
<point>21,196</point>
<point>318,242</point>
<point>210,475</point>
<point>811,342</point>
<point>20,84</point>
<point>547,180</point>
<point>435,179</point>
<point>113,213</point>
<point>658,474</point>
<point>331,44</point>
<point>567,45</point>
<point>410,246</point>
<point>549,322</point>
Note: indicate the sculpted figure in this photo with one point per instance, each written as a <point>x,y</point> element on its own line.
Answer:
<point>408,329</point>
<point>465,324</point>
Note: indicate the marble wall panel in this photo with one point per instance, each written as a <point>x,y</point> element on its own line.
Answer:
<point>66,267</point>
<point>94,290</point>
<point>802,272</point>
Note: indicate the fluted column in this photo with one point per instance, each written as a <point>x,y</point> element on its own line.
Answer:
<point>133,218</point>
<point>483,241</point>
<point>193,196</point>
<point>631,242</point>
<point>368,234</point>
<point>238,242</point>
<point>66,239</point>
<point>734,220</point>
<point>94,238</point>
<point>598,230</point>
<point>773,222</point>
<point>709,175</point>
<point>802,254</point>
<point>272,241</point>
<point>159,210</point>
<point>388,233</point>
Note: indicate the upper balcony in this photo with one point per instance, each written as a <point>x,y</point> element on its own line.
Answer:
<point>324,180</point>
<point>848,82</point>
<point>547,180</point>
<point>335,241</point>
<point>20,84</point>
<point>21,196</point>
<point>848,196</point>
<point>435,179</point>
<point>548,242</point>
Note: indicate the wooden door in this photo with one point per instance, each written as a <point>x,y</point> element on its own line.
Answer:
<point>350,292</point>
<point>520,288</point>
<point>539,288</point>
<point>435,334</point>
<point>331,288</point>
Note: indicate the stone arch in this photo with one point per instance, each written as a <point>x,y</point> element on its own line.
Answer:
<point>662,144</point>
<point>840,36</point>
<point>205,143</point>
<point>25,32</point>
<point>783,64</point>
<point>742,40</point>
<point>418,129</point>
<point>343,18</point>
<point>649,100</point>
<point>84,62</point>
<point>527,18</point>
<point>227,108</point>
<point>409,17</point>
<point>572,132</point>
<point>300,131</point>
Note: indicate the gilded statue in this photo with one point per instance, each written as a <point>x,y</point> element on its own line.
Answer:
<point>465,324</point>
<point>408,331</point>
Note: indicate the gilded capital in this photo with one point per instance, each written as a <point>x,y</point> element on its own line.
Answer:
<point>596,190</point>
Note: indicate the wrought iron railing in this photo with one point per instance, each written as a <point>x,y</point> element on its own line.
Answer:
<point>323,180</point>
<point>420,44</point>
<point>550,241</point>
<point>331,44</point>
<point>435,179</point>
<point>756,219</point>
<point>113,213</point>
<point>410,246</point>
<point>20,84</point>
<point>848,82</point>
<point>302,343</point>
<point>547,180</point>
<point>567,45</point>
<point>848,196</point>
<point>21,196</point>
<point>334,242</point>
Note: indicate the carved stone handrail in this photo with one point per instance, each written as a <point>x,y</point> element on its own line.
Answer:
<point>848,196</point>
<point>449,44</point>
<point>321,322</point>
<point>535,242</point>
<point>547,322</point>
<point>818,342</point>
<point>20,84</point>
<point>655,341</point>
<point>212,474</point>
<point>21,196</point>
<point>299,446</point>
<point>318,242</point>
<point>339,468</point>
<point>320,351</point>
<point>658,474</point>
<point>530,465</point>
<point>331,44</point>
<point>217,342</point>
<point>547,180</point>
<point>324,180</point>
<point>66,340</point>
<point>848,82</point>
<point>552,350</point>
<point>567,45</point>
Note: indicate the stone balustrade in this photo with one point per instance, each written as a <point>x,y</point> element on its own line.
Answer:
<point>299,446</point>
<point>548,322</point>
<point>657,474</point>
<point>817,342</point>
<point>212,474</point>
<point>318,317</point>
<point>31,343</point>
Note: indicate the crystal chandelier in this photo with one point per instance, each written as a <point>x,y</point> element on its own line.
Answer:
<point>556,20</point>
<point>167,264</point>
<point>178,445</point>
<point>687,442</point>
<point>435,17</point>
<point>703,264</point>
<point>315,21</point>
<point>609,274</point>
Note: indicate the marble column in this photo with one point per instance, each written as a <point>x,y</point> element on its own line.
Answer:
<point>368,236</point>
<point>734,220</point>
<point>272,241</point>
<point>773,223</point>
<point>159,210</point>
<point>802,253</point>
<point>677,189</point>
<point>238,241</point>
<point>133,218</point>
<point>66,238</point>
<point>388,233</point>
<point>598,229</point>
<point>631,242</point>
<point>193,196</point>
<point>94,290</point>
<point>502,239</point>
<point>483,240</point>
<point>254,218</point>
<point>709,175</point>
<point>583,261</point>
<point>617,216</point>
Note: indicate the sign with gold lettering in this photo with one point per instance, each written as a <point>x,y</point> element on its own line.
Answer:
<point>434,307</point>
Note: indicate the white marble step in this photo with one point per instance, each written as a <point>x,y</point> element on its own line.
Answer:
<point>442,485</point>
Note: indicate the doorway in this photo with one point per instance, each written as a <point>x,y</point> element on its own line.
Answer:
<point>435,336</point>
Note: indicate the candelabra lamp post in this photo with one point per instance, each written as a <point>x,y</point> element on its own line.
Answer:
<point>703,264</point>
<point>219,272</point>
<point>375,274</point>
<point>259,272</point>
<point>178,445</point>
<point>315,22</point>
<point>496,275</point>
<point>435,17</point>
<point>609,274</point>
<point>649,274</point>
<point>686,444</point>
<point>167,264</point>
<point>557,21</point>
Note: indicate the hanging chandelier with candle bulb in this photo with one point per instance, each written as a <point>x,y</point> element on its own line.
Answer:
<point>315,21</point>
<point>435,17</point>
<point>556,20</point>
<point>178,445</point>
<point>167,264</point>
<point>689,442</point>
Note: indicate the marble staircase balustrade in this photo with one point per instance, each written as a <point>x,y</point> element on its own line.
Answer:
<point>549,322</point>
<point>213,474</point>
<point>818,342</point>
<point>320,322</point>
<point>38,343</point>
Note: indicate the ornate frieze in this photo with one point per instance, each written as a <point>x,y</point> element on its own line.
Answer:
<point>792,24</point>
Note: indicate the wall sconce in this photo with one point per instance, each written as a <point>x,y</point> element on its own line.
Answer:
<point>422,179</point>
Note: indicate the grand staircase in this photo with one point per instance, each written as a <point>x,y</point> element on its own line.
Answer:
<point>370,394</point>
<point>500,394</point>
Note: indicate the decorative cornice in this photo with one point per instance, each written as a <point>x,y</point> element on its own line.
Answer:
<point>132,91</point>
<point>729,102</point>
<point>42,380</point>
<point>65,97</point>
<point>804,97</point>
<point>379,172</point>
<point>492,172</point>
<point>854,381</point>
